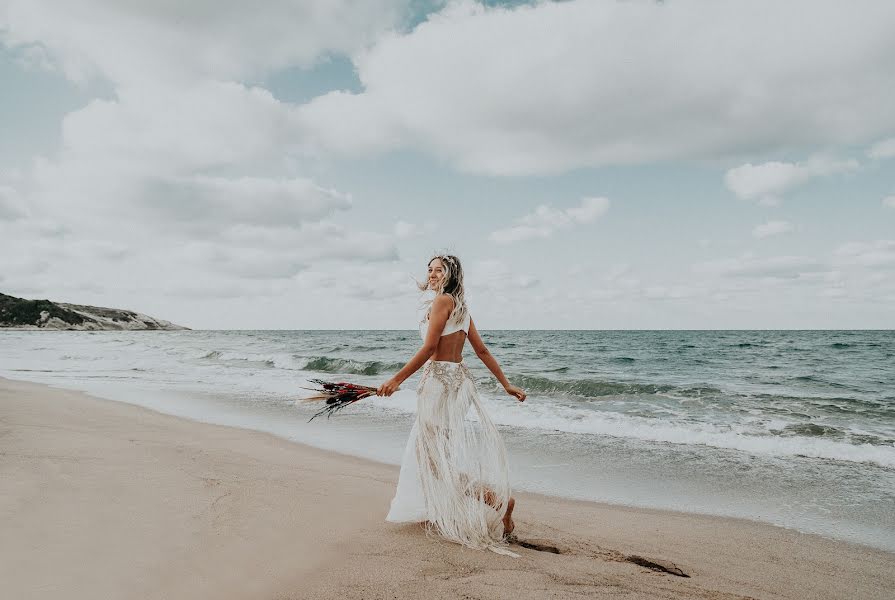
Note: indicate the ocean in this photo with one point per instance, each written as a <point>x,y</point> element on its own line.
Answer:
<point>794,428</point>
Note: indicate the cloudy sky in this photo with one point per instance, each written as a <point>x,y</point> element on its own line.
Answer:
<point>596,164</point>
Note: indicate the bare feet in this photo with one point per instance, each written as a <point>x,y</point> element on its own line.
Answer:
<point>508,525</point>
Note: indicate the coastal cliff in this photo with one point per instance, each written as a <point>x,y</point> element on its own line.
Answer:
<point>19,313</point>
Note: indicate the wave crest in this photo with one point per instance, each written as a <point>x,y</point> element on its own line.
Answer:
<point>597,388</point>
<point>327,364</point>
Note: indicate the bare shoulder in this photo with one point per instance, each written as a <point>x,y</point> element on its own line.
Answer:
<point>442,300</point>
<point>442,304</point>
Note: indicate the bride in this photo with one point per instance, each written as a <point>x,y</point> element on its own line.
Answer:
<point>454,473</point>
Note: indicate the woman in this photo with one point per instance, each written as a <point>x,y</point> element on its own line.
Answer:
<point>454,474</point>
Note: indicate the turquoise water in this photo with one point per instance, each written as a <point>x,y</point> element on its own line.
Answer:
<point>795,428</point>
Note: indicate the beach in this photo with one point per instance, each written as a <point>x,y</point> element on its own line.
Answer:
<point>654,240</point>
<point>795,429</point>
<point>103,499</point>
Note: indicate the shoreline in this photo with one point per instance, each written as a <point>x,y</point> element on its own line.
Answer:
<point>209,497</point>
<point>123,396</point>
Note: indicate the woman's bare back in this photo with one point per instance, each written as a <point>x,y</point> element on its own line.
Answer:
<point>450,347</point>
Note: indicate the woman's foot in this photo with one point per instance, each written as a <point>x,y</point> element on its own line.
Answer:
<point>508,525</point>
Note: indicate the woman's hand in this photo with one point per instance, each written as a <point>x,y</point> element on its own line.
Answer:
<point>512,390</point>
<point>388,388</point>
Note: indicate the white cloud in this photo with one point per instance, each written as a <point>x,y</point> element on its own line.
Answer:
<point>288,249</point>
<point>882,149</point>
<point>182,173</point>
<point>11,204</point>
<point>34,57</point>
<point>205,288</point>
<point>674,292</point>
<point>366,282</point>
<point>131,43</point>
<point>495,276</point>
<point>785,267</point>
<point>201,125</point>
<point>246,262</point>
<point>496,90</point>
<point>621,275</point>
<point>404,230</point>
<point>834,292</point>
<point>545,220</point>
<point>765,182</point>
<point>590,210</point>
<point>889,201</point>
<point>772,228</point>
<point>202,202</point>
<point>146,157</point>
<point>332,241</point>
<point>875,254</point>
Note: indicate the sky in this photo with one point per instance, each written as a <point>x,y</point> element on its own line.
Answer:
<point>595,164</point>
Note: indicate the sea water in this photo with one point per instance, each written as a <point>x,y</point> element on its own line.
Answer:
<point>795,428</point>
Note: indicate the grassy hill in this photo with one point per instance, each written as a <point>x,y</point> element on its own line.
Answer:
<point>20,313</point>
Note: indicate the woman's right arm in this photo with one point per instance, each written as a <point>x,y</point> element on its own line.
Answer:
<point>475,340</point>
<point>438,316</point>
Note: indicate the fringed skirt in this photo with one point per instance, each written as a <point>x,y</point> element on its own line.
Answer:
<point>454,473</point>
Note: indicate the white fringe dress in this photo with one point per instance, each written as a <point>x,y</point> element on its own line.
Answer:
<point>454,473</point>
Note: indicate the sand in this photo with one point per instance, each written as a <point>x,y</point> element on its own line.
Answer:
<point>102,499</point>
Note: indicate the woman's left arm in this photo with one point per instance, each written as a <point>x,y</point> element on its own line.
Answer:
<point>438,316</point>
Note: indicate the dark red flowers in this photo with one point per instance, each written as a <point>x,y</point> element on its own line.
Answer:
<point>337,395</point>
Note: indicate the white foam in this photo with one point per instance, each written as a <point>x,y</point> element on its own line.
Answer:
<point>756,440</point>
<point>555,417</point>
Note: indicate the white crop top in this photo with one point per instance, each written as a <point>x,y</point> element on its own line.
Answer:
<point>448,327</point>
